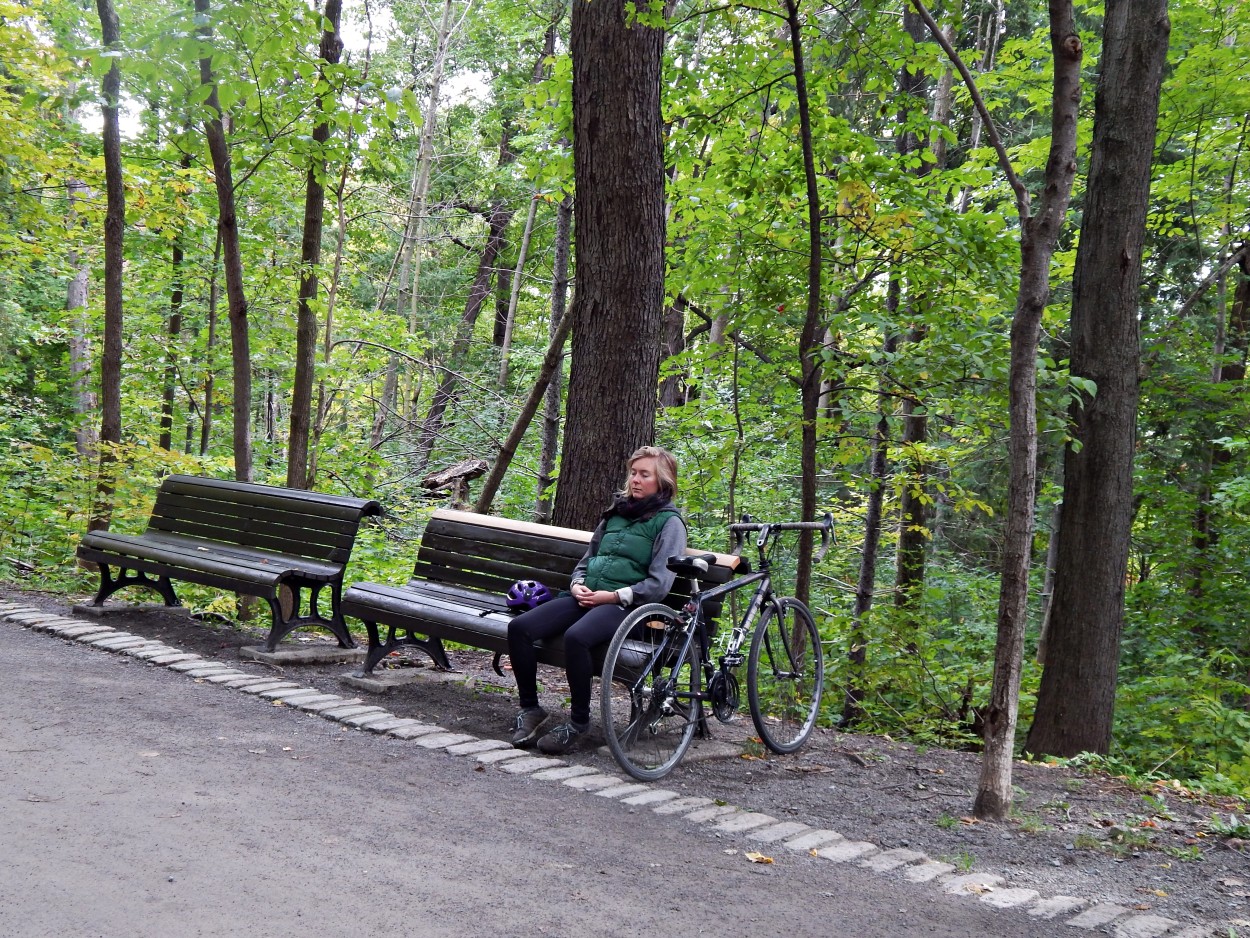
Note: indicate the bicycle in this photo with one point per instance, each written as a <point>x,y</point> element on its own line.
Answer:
<point>651,696</point>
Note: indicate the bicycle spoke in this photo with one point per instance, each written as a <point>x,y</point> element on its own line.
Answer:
<point>649,717</point>
<point>785,676</point>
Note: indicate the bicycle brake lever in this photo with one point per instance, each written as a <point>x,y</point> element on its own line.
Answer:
<point>826,537</point>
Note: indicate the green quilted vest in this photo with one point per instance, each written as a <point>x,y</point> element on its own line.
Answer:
<point>624,554</point>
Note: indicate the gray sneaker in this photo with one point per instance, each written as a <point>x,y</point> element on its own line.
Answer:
<point>563,738</point>
<point>526,726</point>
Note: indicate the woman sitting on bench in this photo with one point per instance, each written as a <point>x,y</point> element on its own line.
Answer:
<point>623,566</point>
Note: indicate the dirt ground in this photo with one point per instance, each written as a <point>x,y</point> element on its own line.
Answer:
<point>1073,833</point>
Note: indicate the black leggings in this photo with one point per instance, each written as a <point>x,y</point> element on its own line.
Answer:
<point>583,629</point>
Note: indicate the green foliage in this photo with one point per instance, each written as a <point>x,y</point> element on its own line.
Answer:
<point>919,266</point>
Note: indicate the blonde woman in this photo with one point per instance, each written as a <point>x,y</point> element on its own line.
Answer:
<point>624,566</point>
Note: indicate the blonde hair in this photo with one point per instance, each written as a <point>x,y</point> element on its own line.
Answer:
<point>665,467</point>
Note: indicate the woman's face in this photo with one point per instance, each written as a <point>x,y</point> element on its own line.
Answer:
<point>643,480</point>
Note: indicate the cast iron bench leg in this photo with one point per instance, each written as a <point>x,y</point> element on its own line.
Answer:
<point>110,584</point>
<point>379,649</point>
<point>284,625</point>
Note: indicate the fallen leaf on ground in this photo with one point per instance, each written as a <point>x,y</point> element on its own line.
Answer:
<point>758,858</point>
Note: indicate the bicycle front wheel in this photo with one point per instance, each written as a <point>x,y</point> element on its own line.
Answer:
<point>649,692</point>
<point>785,675</point>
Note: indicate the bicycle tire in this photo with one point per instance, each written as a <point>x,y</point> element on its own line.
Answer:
<point>785,675</point>
<point>649,693</point>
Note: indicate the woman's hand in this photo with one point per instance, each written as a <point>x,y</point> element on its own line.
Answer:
<point>586,597</point>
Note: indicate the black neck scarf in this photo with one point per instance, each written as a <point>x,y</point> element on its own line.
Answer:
<point>634,508</point>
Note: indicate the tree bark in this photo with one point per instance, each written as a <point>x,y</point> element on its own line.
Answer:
<point>232,263</point>
<point>555,389</point>
<point>297,475</point>
<point>173,332</point>
<point>618,167</point>
<point>479,291</point>
<point>210,344</point>
<point>514,294</point>
<point>1076,700</point>
<point>913,534</point>
<point>811,333</point>
<point>1039,234</point>
<point>86,433</point>
<point>114,231</point>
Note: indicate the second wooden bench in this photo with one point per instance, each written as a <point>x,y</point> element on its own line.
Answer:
<point>465,564</point>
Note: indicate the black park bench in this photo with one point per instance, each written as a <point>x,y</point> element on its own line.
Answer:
<point>258,540</point>
<point>465,564</point>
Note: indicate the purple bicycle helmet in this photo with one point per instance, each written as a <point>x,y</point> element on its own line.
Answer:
<point>524,595</point>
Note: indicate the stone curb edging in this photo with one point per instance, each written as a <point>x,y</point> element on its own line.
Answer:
<point>717,817</point>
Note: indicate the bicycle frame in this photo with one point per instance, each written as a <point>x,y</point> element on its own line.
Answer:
<point>657,681</point>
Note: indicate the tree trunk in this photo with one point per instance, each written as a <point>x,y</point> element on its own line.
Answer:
<point>310,257</point>
<point>86,434</point>
<point>114,230</point>
<point>1039,234</point>
<point>214,296</point>
<point>173,333</point>
<point>809,336</point>
<point>445,395</point>
<point>515,293</point>
<point>415,228</point>
<point>551,362</point>
<point>618,167</point>
<point>232,261</point>
<point>865,583</point>
<point>555,389</point>
<point>1076,699</point>
<point>913,534</point>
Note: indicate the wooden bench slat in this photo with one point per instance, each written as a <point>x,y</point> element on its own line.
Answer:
<point>178,507</point>
<point>249,493</point>
<point>134,548</point>
<point>274,540</point>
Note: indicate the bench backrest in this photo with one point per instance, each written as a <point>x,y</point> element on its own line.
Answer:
<point>482,552</point>
<point>288,521</point>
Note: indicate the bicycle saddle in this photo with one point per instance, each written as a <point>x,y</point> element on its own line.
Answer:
<point>691,566</point>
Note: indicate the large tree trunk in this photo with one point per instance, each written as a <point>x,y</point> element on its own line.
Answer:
<point>297,475</point>
<point>1076,700</point>
<point>114,229</point>
<point>618,167</point>
<point>811,333</point>
<point>232,262</point>
<point>1039,236</point>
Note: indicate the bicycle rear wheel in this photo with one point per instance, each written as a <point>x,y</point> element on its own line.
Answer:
<point>649,692</point>
<point>785,675</point>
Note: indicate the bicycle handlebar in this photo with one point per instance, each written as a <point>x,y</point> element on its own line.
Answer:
<point>767,530</point>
